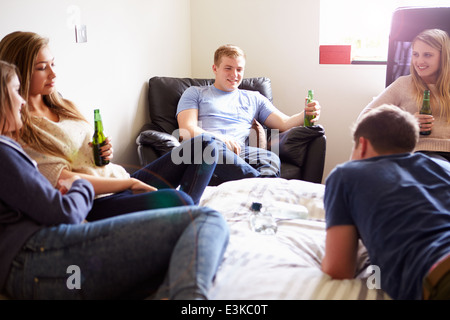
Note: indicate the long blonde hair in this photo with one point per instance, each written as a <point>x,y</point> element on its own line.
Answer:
<point>21,49</point>
<point>439,40</point>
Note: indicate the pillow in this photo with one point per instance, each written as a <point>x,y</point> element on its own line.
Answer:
<point>257,137</point>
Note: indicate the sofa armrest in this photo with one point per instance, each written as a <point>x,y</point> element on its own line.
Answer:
<point>294,143</point>
<point>304,148</point>
<point>314,161</point>
<point>161,142</point>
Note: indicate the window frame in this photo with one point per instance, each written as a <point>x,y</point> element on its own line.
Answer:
<point>391,6</point>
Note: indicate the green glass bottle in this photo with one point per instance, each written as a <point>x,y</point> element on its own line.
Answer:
<point>426,108</point>
<point>307,119</point>
<point>98,140</point>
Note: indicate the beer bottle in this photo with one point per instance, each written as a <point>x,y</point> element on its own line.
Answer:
<point>98,140</point>
<point>426,109</point>
<point>307,119</point>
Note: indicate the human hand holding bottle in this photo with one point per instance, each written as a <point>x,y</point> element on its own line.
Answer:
<point>425,115</point>
<point>426,121</point>
<point>313,109</point>
<point>107,149</point>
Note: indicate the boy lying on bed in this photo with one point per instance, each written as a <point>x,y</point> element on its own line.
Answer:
<point>397,202</point>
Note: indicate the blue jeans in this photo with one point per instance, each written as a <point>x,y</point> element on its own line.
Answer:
<point>128,256</point>
<point>250,163</point>
<point>199,158</point>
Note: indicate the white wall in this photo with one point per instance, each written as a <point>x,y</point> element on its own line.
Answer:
<point>281,40</point>
<point>131,40</point>
<point>128,42</point>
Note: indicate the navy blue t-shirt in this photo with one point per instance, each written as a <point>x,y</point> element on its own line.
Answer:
<point>400,205</point>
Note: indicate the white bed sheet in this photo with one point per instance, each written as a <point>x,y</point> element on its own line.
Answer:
<point>286,265</point>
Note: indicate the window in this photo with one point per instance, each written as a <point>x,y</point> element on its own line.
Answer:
<point>364,25</point>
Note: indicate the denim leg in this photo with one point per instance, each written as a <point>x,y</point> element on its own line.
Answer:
<point>116,257</point>
<point>232,167</point>
<point>251,163</point>
<point>127,202</point>
<point>266,162</point>
<point>193,271</point>
<point>189,166</point>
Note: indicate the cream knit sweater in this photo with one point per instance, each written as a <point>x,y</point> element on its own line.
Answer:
<point>72,137</point>
<point>400,93</point>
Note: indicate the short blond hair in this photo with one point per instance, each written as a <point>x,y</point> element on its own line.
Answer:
<point>227,50</point>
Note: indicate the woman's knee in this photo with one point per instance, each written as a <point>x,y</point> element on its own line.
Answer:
<point>213,217</point>
<point>173,198</point>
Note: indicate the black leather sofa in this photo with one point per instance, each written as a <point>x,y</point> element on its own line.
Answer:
<point>301,149</point>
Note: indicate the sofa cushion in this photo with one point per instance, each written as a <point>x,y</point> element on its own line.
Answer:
<point>257,137</point>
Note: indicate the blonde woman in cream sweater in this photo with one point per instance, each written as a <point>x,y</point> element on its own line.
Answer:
<point>430,70</point>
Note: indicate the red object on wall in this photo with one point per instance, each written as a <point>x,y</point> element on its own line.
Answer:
<point>335,54</point>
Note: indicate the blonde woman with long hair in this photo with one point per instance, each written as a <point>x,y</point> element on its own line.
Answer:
<point>430,70</point>
<point>56,135</point>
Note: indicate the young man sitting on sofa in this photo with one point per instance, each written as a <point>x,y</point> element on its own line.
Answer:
<point>229,113</point>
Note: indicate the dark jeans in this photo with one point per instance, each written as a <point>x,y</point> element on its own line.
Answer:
<point>188,166</point>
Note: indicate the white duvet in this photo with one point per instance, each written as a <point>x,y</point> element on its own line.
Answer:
<point>286,265</point>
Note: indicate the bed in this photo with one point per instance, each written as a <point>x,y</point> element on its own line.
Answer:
<point>284,266</point>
